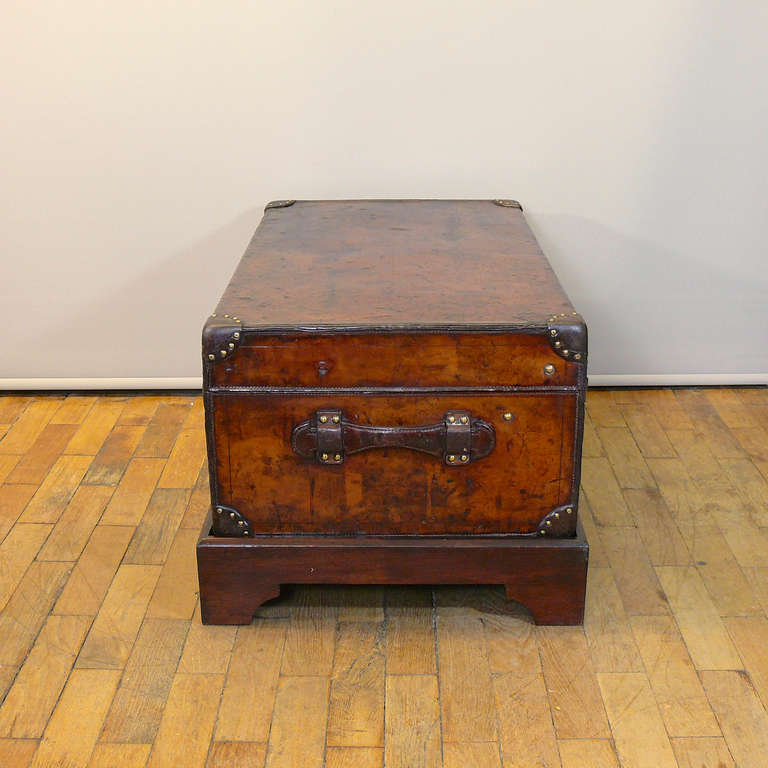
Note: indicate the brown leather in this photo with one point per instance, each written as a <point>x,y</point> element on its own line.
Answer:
<point>458,439</point>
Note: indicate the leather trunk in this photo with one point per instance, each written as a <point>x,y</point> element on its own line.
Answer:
<point>394,368</point>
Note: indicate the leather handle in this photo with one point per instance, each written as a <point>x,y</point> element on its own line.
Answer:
<point>328,437</point>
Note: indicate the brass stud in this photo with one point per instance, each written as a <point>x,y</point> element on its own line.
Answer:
<point>236,334</point>
<point>223,352</point>
<point>553,332</point>
<point>558,344</point>
<point>226,315</point>
<point>211,357</point>
<point>549,522</point>
<point>569,510</point>
<point>241,523</point>
<point>566,353</point>
<point>245,533</point>
<point>324,457</point>
<point>337,457</point>
<point>549,369</point>
<point>232,515</point>
<point>236,318</point>
<point>577,356</point>
<point>465,457</point>
<point>556,515</point>
<point>451,458</point>
<point>323,419</point>
<point>542,532</point>
<point>465,419</point>
<point>451,419</point>
<point>335,419</point>
<point>219,511</point>
<point>231,345</point>
<point>213,315</point>
<point>507,416</point>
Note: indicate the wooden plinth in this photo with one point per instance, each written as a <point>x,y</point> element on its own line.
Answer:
<point>548,576</point>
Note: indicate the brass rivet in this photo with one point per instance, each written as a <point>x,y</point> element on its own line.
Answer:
<point>451,419</point>
<point>236,334</point>
<point>451,458</point>
<point>465,458</point>
<point>241,522</point>
<point>223,353</point>
<point>549,522</point>
<point>558,344</point>
<point>219,510</point>
<point>335,419</point>
<point>577,356</point>
<point>337,457</point>
<point>542,531</point>
<point>211,357</point>
<point>465,419</point>
<point>323,419</point>
<point>232,515</point>
<point>507,416</point>
<point>556,515</point>
<point>235,318</point>
<point>566,353</point>
<point>226,315</point>
<point>324,457</point>
<point>245,533</point>
<point>553,332</point>
<point>231,345</point>
<point>569,510</point>
<point>213,315</point>
<point>575,314</point>
<point>549,369</point>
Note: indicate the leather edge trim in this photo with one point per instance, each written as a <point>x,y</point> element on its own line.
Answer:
<point>567,336</point>
<point>559,523</point>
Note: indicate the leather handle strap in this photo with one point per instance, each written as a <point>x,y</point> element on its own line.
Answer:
<point>328,437</point>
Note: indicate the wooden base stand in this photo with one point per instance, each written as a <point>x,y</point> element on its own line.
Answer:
<point>548,576</point>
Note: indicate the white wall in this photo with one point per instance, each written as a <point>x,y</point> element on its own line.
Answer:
<point>140,140</point>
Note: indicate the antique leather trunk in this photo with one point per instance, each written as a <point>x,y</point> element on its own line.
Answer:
<point>389,374</point>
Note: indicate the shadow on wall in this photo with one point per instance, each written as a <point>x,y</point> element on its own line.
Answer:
<point>644,303</point>
<point>166,307</point>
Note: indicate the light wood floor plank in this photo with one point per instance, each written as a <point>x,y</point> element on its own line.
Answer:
<point>702,629</point>
<point>647,432</point>
<point>119,756</point>
<point>188,719</point>
<point>410,633</point>
<point>26,611</point>
<point>297,736</point>
<point>36,690</point>
<point>207,649</point>
<point>136,487</point>
<point>626,460</point>
<point>16,753</point>
<point>526,730</point>
<point>42,455</point>
<point>605,498</point>
<point>175,595</point>
<point>110,462</point>
<point>250,689</point>
<point>138,705</point>
<point>27,427</point>
<point>588,753</point>
<point>702,753</point>
<point>96,426</point>
<point>311,635</point>
<point>74,726</point>
<point>742,718</point>
<point>13,499</point>
<point>750,636</point>
<point>75,526</point>
<point>161,432</point>
<point>356,709</point>
<point>661,536</point>
<point>577,707</point>
<point>56,490</point>
<point>157,529</point>
<point>117,623</point>
<point>16,552</point>
<point>472,755</point>
<point>682,703</point>
<point>74,409</point>
<point>94,571</point>
<point>412,722</point>
<point>185,460</point>
<point>641,740</point>
<point>236,754</point>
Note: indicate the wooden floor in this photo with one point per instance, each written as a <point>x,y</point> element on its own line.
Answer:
<point>104,662</point>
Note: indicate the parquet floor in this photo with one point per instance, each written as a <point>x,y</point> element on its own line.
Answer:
<point>104,662</point>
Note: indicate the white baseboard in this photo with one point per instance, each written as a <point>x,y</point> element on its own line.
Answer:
<point>195,382</point>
